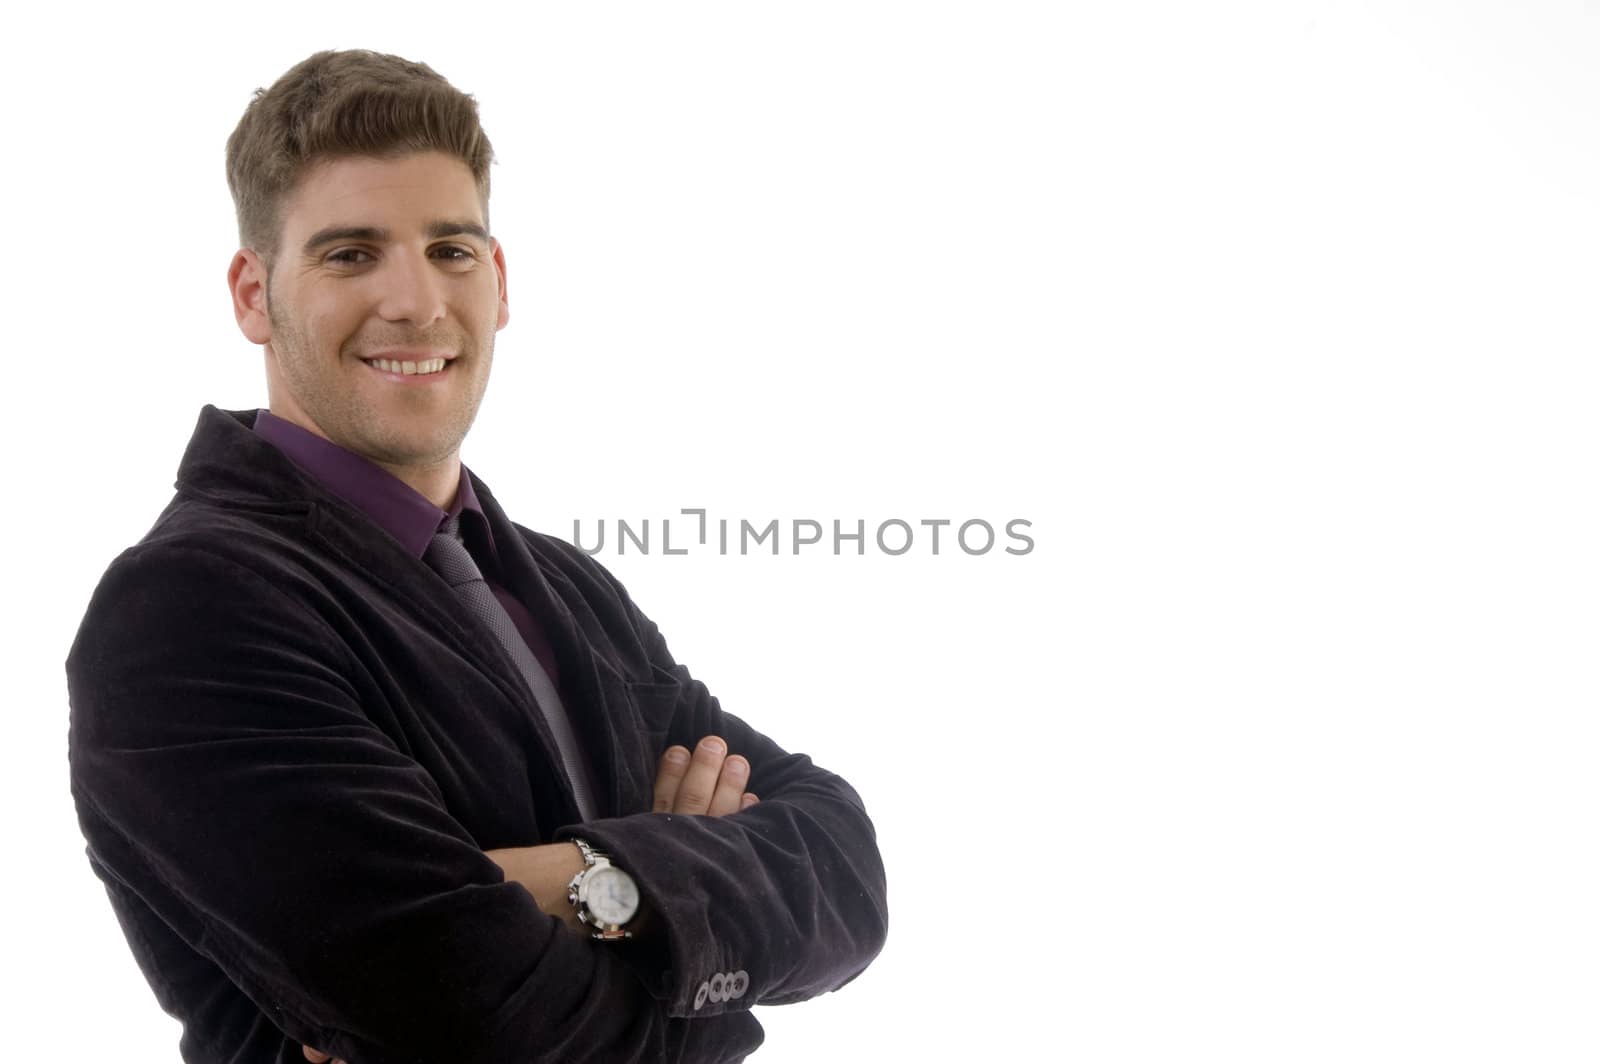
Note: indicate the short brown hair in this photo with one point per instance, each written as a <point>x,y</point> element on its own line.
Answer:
<point>341,104</point>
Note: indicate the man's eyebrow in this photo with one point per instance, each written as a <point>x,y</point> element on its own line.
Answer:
<point>443,229</point>
<point>377,235</point>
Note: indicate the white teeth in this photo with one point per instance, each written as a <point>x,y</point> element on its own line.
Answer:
<point>431,365</point>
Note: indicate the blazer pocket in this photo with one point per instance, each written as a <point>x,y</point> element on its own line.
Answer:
<point>640,716</point>
<point>644,706</point>
<point>655,704</point>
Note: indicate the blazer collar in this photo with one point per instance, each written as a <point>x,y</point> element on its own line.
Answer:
<point>226,462</point>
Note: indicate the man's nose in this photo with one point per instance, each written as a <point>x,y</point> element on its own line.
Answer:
<point>412,290</point>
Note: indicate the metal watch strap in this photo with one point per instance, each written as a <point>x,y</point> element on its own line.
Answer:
<point>591,859</point>
<point>590,854</point>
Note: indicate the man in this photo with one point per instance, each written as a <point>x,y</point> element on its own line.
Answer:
<point>369,771</point>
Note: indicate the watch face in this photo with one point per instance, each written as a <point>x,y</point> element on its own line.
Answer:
<point>611,896</point>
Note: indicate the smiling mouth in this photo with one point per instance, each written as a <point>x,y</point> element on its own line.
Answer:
<point>424,368</point>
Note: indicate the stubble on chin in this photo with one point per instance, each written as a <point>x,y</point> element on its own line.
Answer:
<point>334,402</point>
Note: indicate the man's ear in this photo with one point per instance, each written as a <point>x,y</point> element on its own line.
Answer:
<point>247,282</point>
<point>499,256</point>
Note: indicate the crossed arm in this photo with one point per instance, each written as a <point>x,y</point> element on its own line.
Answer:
<point>705,783</point>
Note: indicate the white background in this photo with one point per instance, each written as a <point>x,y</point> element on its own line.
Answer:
<point>1276,320</point>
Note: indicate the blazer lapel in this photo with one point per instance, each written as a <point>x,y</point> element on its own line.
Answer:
<point>587,696</point>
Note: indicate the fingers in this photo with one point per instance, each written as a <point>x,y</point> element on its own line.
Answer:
<point>317,1056</point>
<point>700,782</point>
<point>669,777</point>
<point>706,782</point>
<point>729,795</point>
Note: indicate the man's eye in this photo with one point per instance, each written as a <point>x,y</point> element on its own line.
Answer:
<point>355,256</point>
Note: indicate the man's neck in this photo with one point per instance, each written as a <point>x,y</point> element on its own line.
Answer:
<point>438,483</point>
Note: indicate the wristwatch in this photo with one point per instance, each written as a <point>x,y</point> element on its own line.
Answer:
<point>605,896</point>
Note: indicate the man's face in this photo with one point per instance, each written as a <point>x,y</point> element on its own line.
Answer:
<point>384,259</point>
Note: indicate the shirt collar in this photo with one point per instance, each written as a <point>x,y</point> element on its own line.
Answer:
<point>391,503</point>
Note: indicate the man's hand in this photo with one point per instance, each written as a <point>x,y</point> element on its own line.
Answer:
<point>708,782</point>
<point>317,1056</point>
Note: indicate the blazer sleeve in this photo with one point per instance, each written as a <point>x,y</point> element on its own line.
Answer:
<point>770,905</point>
<point>225,774</point>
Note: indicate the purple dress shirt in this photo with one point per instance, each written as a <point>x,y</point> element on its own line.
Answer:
<point>400,510</point>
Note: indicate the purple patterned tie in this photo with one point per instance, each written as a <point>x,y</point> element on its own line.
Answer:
<point>449,557</point>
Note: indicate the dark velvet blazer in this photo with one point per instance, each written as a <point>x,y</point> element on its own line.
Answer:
<point>290,746</point>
